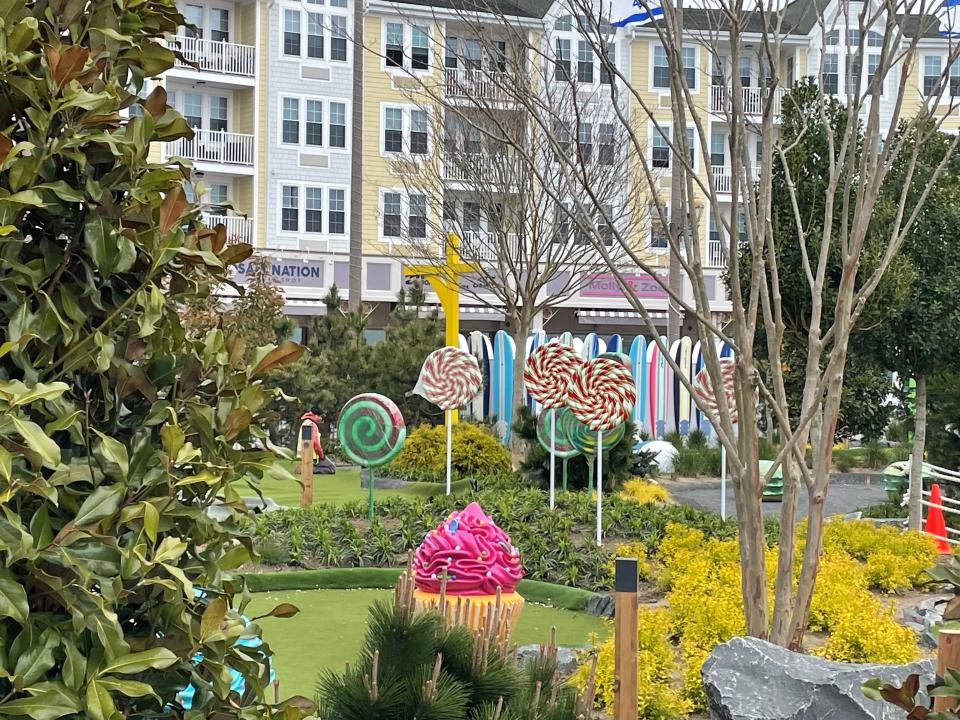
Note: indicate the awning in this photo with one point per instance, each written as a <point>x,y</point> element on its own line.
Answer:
<point>469,312</point>
<point>616,317</point>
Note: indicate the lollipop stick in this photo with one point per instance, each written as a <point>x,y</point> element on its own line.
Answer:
<point>370,493</point>
<point>553,457</point>
<point>599,486</point>
<point>449,447</point>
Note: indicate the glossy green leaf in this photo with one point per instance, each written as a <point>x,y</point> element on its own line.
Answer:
<point>13,597</point>
<point>38,658</point>
<point>158,658</point>
<point>49,704</point>
<point>101,503</point>
<point>38,441</point>
<point>115,452</point>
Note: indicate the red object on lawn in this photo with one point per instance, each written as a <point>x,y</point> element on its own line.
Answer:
<point>936,525</point>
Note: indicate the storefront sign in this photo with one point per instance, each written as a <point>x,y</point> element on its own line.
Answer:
<point>606,286</point>
<point>289,273</point>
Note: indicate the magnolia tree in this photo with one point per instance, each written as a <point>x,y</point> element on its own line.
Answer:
<point>486,180</point>
<point>881,92</point>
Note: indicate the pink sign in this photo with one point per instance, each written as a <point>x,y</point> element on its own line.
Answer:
<point>606,285</point>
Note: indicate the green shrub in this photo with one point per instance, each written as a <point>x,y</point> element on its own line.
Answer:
<point>696,439</point>
<point>875,455</point>
<point>476,453</point>
<point>694,462</point>
<point>844,462</point>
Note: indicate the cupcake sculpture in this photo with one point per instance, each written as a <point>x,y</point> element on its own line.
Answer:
<point>468,569</point>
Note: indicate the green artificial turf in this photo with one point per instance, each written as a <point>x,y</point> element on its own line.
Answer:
<point>328,631</point>
<point>339,489</point>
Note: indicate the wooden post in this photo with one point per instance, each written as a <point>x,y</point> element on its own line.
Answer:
<point>948,658</point>
<point>306,465</point>
<point>625,640</point>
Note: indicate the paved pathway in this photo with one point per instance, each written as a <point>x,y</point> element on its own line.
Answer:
<point>842,497</point>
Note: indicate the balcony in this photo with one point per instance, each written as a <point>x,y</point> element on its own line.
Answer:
<point>723,178</point>
<point>482,167</point>
<point>752,99</point>
<point>239,229</point>
<point>716,253</point>
<point>481,245</point>
<point>215,146</point>
<point>214,56</point>
<point>477,84</point>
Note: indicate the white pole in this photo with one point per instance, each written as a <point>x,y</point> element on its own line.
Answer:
<point>723,481</point>
<point>449,447</point>
<point>599,487</point>
<point>553,456</point>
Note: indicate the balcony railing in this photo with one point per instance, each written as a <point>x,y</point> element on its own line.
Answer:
<point>477,84</point>
<point>483,245</point>
<point>716,253</point>
<point>752,98</point>
<point>214,146</point>
<point>481,167</point>
<point>214,56</point>
<point>723,179</point>
<point>239,229</point>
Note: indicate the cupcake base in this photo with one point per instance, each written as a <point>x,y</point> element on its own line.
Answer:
<point>495,612</point>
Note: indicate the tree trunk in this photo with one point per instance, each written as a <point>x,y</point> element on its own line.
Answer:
<point>753,575</point>
<point>809,569</point>
<point>783,585</point>
<point>916,459</point>
<point>356,165</point>
<point>522,325</point>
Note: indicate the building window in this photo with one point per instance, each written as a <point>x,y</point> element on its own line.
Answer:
<point>291,120</point>
<point>392,218</point>
<point>420,49</point>
<point>585,141</point>
<point>218,113</point>
<point>220,24</point>
<point>394,53</point>
<point>606,150</point>
<point>661,147</point>
<point>746,71</point>
<point>718,154</point>
<point>419,126</point>
<point>418,216</point>
<point>931,74</point>
<point>853,75</point>
<point>562,69</point>
<point>659,240</point>
<point>289,212</point>
<point>217,195</point>
<point>955,78</point>
<point>291,32</point>
<point>192,110</point>
<point>689,57</point>
<point>873,65</point>
<point>831,77</point>
<point>874,39</point>
<point>604,226</point>
<point>561,133</point>
<point>472,54</point>
<point>314,122</point>
<point>661,67</point>
<point>584,62</point>
<point>451,59</point>
<point>691,146</point>
<point>606,72</point>
<point>338,125</point>
<point>717,74</point>
<point>315,35</point>
<point>193,14</point>
<point>563,23</point>
<point>790,72</point>
<point>853,37</point>
<point>338,3</point>
<point>314,210</point>
<point>338,38</point>
<point>499,55</point>
<point>337,215</point>
<point>471,216</point>
<point>393,130</point>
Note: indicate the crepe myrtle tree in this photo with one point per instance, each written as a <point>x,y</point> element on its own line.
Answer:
<point>480,177</point>
<point>856,173</point>
<point>118,430</point>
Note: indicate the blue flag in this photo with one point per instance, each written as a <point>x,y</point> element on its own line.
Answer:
<point>634,12</point>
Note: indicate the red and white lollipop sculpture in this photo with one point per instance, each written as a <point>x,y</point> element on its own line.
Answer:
<point>547,375</point>
<point>449,378</point>
<point>601,395</point>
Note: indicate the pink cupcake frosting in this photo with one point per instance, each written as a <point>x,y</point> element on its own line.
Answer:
<point>475,554</point>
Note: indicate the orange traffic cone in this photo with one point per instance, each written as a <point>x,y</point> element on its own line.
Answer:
<point>936,525</point>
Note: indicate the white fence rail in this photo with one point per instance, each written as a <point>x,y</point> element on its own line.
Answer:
<point>214,56</point>
<point>214,146</point>
<point>950,506</point>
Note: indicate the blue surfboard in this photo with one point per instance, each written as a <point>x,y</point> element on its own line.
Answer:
<point>502,383</point>
<point>638,361</point>
<point>536,339</point>
<point>615,343</point>
<point>566,338</point>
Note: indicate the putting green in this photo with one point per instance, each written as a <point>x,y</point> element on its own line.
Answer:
<point>329,630</point>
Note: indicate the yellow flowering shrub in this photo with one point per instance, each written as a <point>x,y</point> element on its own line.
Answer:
<point>643,491</point>
<point>656,664</point>
<point>870,636</point>
<point>841,584</point>
<point>895,560</point>
<point>635,550</point>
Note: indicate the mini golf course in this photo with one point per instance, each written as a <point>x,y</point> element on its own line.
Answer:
<point>329,630</point>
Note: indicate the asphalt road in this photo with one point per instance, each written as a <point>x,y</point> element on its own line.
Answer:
<point>842,497</point>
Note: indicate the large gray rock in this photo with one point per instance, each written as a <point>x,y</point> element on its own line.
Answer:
<point>601,605</point>
<point>751,679</point>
